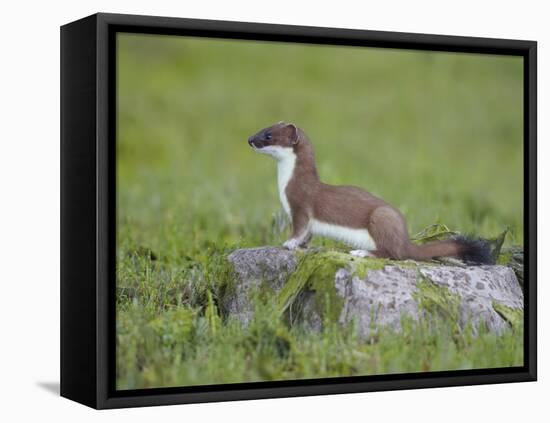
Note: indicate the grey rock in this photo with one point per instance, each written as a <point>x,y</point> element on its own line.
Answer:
<point>380,299</point>
<point>383,296</point>
<point>254,266</point>
<point>478,287</point>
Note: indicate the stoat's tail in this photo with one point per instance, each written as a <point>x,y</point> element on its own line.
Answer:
<point>468,249</point>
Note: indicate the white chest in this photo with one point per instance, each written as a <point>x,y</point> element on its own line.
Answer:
<point>359,238</point>
<point>285,170</point>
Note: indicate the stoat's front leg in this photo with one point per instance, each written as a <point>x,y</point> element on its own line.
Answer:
<point>300,232</point>
<point>294,243</point>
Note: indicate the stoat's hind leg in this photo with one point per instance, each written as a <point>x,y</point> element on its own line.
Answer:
<point>361,253</point>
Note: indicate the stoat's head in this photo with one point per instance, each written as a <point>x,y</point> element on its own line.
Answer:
<point>278,141</point>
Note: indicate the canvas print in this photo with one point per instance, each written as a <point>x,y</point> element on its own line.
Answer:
<point>290,211</point>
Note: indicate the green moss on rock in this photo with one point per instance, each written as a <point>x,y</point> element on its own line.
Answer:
<point>514,316</point>
<point>504,258</point>
<point>316,272</point>
<point>437,300</point>
<point>361,266</point>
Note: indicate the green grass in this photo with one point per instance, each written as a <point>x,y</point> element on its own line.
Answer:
<point>164,341</point>
<point>438,135</point>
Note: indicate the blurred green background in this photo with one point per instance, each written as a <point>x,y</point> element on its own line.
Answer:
<point>438,135</point>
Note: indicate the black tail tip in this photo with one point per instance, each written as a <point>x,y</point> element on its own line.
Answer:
<point>475,250</point>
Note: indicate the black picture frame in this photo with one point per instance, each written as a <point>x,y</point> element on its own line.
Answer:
<point>88,133</point>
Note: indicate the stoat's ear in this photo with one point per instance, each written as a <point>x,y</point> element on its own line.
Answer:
<point>294,136</point>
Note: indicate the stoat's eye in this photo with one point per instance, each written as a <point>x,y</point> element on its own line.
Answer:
<point>268,136</point>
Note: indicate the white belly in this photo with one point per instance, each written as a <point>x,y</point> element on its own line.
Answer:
<point>358,238</point>
<point>285,169</point>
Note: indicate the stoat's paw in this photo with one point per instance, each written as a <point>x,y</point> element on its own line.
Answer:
<point>360,253</point>
<point>291,244</point>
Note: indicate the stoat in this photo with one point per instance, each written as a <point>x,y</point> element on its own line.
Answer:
<point>345,213</point>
